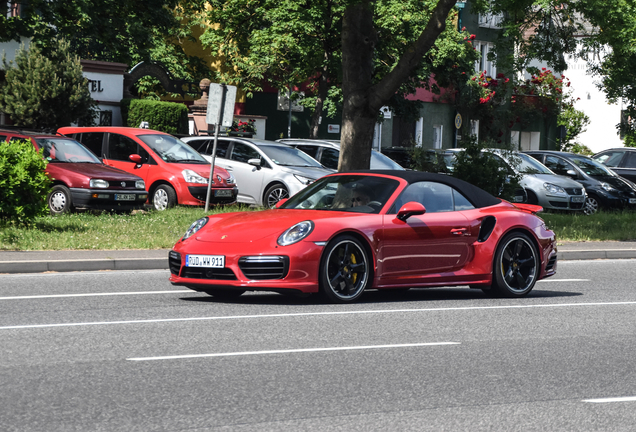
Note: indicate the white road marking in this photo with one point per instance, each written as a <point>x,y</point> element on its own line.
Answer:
<point>290,351</point>
<point>96,294</point>
<point>563,280</point>
<point>310,314</point>
<point>615,399</point>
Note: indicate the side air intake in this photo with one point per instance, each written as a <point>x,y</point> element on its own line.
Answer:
<point>487,225</point>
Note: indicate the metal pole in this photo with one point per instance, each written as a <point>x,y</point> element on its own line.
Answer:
<point>217,126</point>
<point>290,112</point>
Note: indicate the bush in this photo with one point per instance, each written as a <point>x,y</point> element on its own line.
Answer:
<point>168,117</point>
<point>23,183</point>
<point>485,170</point>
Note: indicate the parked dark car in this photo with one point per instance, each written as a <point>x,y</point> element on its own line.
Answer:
<point>621,160</point>
<point>604,188</point>
<point>402,155</point>
<point>80,179</point>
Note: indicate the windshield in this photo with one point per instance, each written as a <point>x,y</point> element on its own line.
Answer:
<point>350,193</point>
<point>380,161</point>
<point>591,167</point>
<point>289,156</point>
<point>525,164</point>
<point>65,150</point>
<point>172,150</point>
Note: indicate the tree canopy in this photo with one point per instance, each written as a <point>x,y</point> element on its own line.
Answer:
<point>46,92</point>
<point>287,42</point>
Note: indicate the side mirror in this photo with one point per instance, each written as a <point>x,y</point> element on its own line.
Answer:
<point>571,173</point>
<point>280,202</point>
<point>135,158</point>
<point>255,162</point>
<point>409,209</point>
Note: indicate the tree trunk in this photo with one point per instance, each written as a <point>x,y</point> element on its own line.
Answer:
<point>323,88</point>
<point>362,98</point>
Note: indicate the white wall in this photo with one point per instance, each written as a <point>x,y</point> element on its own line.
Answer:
<point>601,133</point>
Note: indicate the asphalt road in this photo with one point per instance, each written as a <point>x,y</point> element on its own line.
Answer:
<point>126,351</point>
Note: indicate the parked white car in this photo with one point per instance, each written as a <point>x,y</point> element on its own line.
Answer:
<point>265,171</point>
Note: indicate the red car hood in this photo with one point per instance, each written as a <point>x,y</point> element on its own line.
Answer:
<point>202,170</point>
<point>252,226</point>
<point>90,170</point>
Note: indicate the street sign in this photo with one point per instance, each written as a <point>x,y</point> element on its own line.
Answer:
<point>215,99</point>
<point>458,121</point>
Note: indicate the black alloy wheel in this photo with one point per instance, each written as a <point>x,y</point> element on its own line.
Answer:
<point>345,270</point>
<point>516,266</point>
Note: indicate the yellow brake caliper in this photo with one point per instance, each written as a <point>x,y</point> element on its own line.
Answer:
<point>353,261</point>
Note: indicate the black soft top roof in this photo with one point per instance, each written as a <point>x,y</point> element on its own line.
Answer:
<point>477,196</point>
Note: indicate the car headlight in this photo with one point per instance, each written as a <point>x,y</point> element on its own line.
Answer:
<point>296,233</point>
<point>304,180</point>
<point>608,187</point>
<point>98,183</point>
<point>192,177</point>
<point>230,179</point>
<point>554,189</point>
<point>196,226</point>
<point>140,184</point>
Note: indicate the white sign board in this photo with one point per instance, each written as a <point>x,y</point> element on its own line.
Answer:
<point>215,99</point>
<point>333,128</point>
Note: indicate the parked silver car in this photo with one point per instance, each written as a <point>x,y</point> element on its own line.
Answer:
<point>265,171</point>
<point>542,186</point>
<point>327,153</point>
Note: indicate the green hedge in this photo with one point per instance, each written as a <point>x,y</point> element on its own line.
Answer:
<point>23,183</point>
<point>167,117</point>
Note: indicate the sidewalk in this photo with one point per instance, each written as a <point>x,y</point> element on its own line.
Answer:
<point>89,260</point>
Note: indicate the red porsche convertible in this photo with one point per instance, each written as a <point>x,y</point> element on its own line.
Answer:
<point>349,232</point>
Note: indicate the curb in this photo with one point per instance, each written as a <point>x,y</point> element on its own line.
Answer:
<point>84,265</point>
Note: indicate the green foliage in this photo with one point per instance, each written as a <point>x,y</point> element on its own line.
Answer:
<point>630,140</point>
<point>46,92</point>
<point>167,117</point>
<point>485,170</point>
<point>107,30</point>
<point>429,160</point>
<point>283,42</point>
<point>23,183</point>
<point>575,122</point>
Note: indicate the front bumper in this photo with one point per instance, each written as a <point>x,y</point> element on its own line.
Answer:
<point>218,195</point>
<point>108,199</point>
<point>248,266</point>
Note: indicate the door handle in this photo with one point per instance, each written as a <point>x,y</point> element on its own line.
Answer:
<point>458,231</point>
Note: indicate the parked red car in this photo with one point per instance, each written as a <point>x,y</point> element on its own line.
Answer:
<point>349,232</point>
<point>174,172</point>
<point>80,179</point>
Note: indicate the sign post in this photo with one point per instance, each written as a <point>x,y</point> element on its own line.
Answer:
<point>220,113</point>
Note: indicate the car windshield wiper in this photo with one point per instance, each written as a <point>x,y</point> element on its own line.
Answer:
<point>189,161</point>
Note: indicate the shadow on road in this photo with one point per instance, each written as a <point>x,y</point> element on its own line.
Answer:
<point>378,296</point>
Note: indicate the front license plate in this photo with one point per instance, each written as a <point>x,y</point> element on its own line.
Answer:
<point>632,200</point>
<point>578,199</point>
<point>223,193</point>
<point>216,261</point>
<point>124,197</point>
